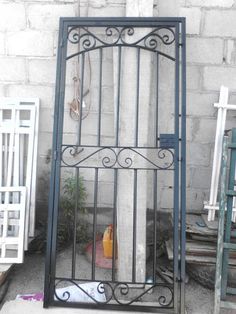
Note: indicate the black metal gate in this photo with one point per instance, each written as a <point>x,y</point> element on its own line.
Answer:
<point>122,141</point>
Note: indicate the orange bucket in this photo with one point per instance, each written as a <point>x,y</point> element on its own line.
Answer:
<point>108,242</point>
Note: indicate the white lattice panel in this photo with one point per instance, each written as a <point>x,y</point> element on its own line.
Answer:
<point>12,224</point>
<point>212,205</point>
<point>19,118</point>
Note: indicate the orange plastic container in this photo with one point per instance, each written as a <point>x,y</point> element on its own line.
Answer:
<point>108,242</point>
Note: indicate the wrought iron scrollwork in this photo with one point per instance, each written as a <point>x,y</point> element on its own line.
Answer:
<point>123,36</point>
<point>113,157</point>
<point>122,293</point>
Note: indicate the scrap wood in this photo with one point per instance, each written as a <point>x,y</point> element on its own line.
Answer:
<point>210,224</point>
<point>195,259</point>
<point>195,224</point>
<point>202,238</point>
<point>165,274</point>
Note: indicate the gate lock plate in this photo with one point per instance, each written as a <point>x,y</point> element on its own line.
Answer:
<point>167,140</point>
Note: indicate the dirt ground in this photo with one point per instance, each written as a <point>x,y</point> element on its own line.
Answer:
<point>29,278</point>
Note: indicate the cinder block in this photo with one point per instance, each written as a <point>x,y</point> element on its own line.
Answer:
<point>205,131</point>
<point>30,43</point>
<point>201,178</point>
<point>44,143</point>
<point>190,126</point>
<point>201,104</point>
<point>232,98</point>
<point>96,3</point>
<point>44,93</point>
<point>2,43</point>
<point>2,90</point>
<point>165,179</point>
<point>166,198</point>
<point>193,19</point>
<point>214,77</point>
<point>70,126</point>
<point>104,175</point>
<point>205,50</point>
<point>12,16</point>
<point>107,11</point>
<point>193,77</point>
<point>107,99</point>
<point>198,154</point>
<point>46,17</point>
<point>105,194</point>
<point>108,74</point>
<point>195,198</point>
<point>220,23</point>
<point>42,71</point>
<point>212,3</point>
<point>90,125</point>
<point>45,120</point>
<point>115,2</point>
<point>231,51</point>
<point>12,69</point>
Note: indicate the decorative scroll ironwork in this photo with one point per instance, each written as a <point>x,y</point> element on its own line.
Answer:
<point>122,293</point>
<point>121,36</point>
<point>121,157</point>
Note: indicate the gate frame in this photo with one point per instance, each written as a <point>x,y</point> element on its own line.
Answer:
<point>179,209</point>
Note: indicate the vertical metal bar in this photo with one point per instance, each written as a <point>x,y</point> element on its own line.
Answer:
<point>81,97</point>
<point>183,166</point>
<point>176,171</point>
<point>100,97</point>
<point>220,240</point>
<point>114,224</point>
<point>118,96</point>
<point>75,224</point>
<point>135,172</point>
<point>157,99</point>
<point>96,169</point>
<point>55,170</point>
<point>94,223</point>
<point>116,170</point>
<point>155,224</point>
<point>227,236</point>
<point>134,227</point>
<point>137,98</point>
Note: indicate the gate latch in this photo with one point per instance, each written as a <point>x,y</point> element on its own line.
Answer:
<point>167,140</point>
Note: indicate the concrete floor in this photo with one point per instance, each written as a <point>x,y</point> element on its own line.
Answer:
<point>29,278</point>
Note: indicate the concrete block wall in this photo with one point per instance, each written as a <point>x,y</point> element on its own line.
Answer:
<point>28,46</point>
<point>211,38</point>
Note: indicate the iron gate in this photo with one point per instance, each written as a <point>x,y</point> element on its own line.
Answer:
<point>124,137</point>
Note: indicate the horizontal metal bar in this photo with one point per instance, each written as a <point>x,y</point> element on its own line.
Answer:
<point>119,45</point>
<point>118,21</point>
<point>117,307</point>
<point>231,246</point>
<point>79,280</point>
<point>232,145</point>
<point>134,168</point>
<point>231,193</point>
<point>115,146</point>
<point>228,305</point>
<point>231,290</point>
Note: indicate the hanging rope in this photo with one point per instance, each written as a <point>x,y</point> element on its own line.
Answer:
<point>75,104</point>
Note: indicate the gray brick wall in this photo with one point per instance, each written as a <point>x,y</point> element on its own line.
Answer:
<point>210,63</point>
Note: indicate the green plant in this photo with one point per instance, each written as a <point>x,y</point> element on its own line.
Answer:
<point>73,192</point>
<point>74,197</point>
